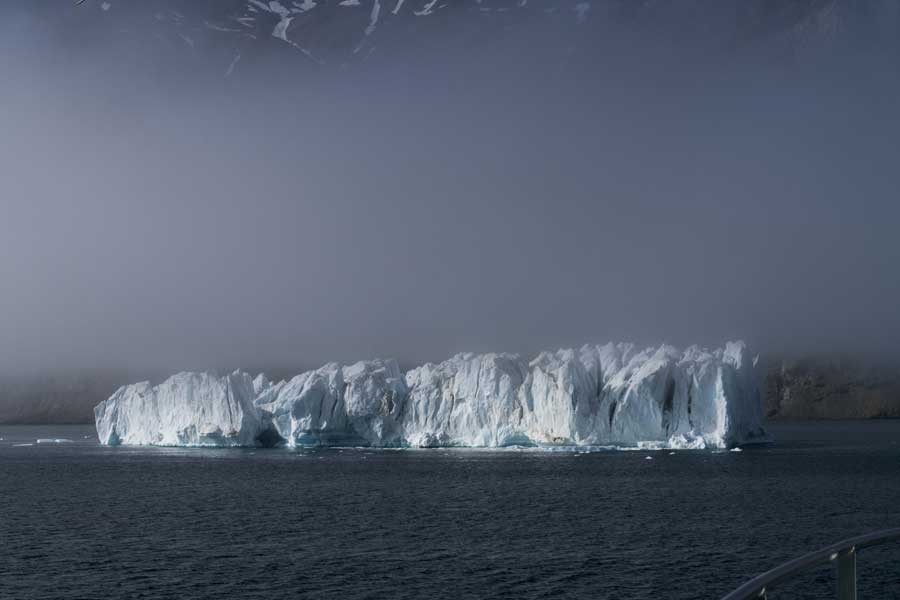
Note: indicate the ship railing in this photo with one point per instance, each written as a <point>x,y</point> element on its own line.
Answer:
<point>841,554</point>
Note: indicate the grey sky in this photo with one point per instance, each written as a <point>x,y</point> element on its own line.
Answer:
<point>177,220</point>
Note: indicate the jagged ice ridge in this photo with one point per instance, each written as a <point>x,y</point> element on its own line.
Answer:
<point>614,394</point>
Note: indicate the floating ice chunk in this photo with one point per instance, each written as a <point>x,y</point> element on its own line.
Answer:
<point>687,442</point>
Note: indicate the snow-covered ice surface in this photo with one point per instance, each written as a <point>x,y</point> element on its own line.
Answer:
<point>596,396</point>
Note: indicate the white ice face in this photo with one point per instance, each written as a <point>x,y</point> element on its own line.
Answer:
<point>188,409</point>
<point>596,395</point>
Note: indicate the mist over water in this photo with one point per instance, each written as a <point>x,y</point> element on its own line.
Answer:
<point>509,194</point>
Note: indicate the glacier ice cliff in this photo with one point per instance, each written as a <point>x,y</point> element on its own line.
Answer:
<point>189,409</point>
<point>614,394</point>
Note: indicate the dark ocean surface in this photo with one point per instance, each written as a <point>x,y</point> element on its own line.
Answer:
<point>81,521</point>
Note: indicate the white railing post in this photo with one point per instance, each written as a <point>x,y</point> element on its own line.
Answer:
<point>846,575</point>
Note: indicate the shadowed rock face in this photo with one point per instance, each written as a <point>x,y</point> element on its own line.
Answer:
<point>832,389</point>
<point>57,397</point>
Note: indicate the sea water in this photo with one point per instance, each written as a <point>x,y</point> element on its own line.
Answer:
<point>78,520</point>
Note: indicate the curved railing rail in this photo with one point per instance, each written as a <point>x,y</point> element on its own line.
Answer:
<point>842,554</point>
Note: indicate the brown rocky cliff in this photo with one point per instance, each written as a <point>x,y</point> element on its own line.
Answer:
<point>831,389</point>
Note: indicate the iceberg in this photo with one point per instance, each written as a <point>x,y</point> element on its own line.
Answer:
<point>356,405</point>
<point>188,409</point>
<point>610,395</point>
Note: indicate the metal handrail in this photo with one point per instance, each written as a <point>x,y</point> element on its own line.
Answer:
<point>842,554</point>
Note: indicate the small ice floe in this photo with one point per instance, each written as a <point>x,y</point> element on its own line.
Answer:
<point>53,441</point>
<point>671,454</point>
<point>648,458</point>
<point>736,450</point>
<point>21,445</point>
<point>652,446</point>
